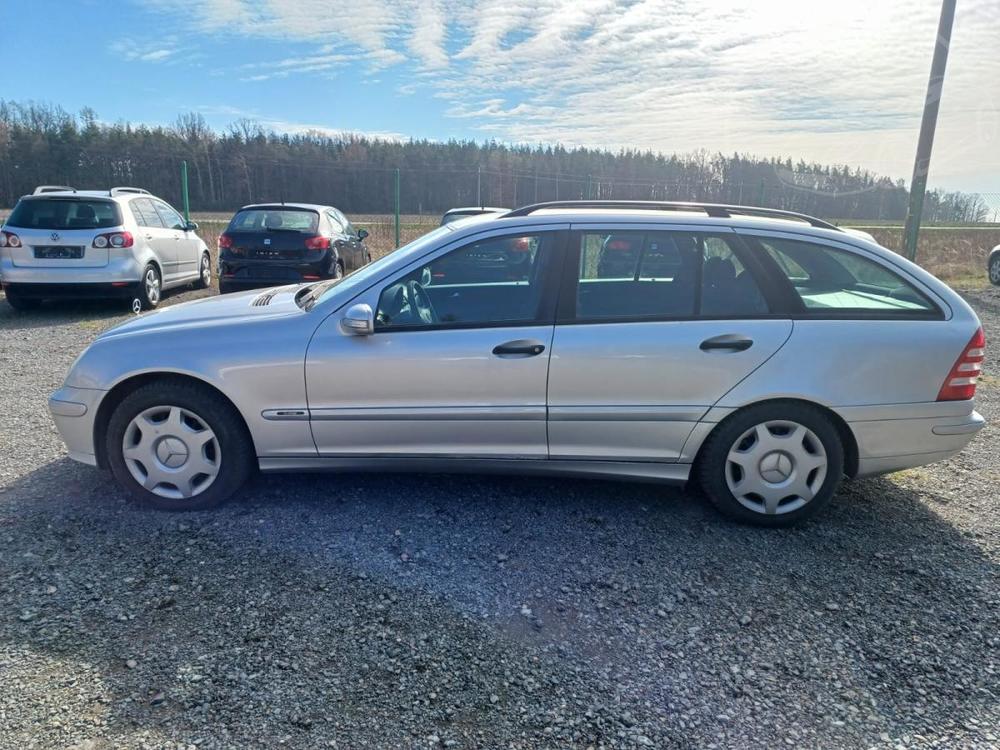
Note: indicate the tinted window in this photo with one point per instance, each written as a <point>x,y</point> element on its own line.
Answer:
<point>145,214</point>
<point>170,218</point>
<point>832,280</point>
<point>493,281</point>
<point>275,220</point>
<point>635,274</point>
<point>65,213</point>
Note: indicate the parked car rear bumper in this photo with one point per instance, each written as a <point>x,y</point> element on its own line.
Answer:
<point>80,290</point>
<point>886,445</point>
<point>238,273</point>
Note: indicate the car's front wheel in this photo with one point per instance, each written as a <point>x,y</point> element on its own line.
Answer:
<point>773,464</point>
<point>177,445</point>
<point>994,267</point>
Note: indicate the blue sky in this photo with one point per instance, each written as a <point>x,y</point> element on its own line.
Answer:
<point>838,82</point>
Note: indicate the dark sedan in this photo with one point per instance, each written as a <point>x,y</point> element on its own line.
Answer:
<point>286,243</point>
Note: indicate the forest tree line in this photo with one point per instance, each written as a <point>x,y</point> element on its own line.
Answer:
<point>245,163</point>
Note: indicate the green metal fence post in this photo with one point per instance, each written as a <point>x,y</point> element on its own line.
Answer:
<point>397,207</point>
<point>184,191</point>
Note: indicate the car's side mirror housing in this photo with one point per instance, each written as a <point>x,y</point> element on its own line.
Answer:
<point>362,233</point>
<point>191,226</point>
<point>359,320</point>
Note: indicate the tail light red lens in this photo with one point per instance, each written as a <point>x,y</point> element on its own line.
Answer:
<point>619,245</point>
<point>9,239</point>
<point>960,385</point>
<point>317,243</point>
<point>225,242</point>
<point>117,240</point>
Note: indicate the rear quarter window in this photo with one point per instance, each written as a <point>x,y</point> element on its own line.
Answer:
<point>831,280</point>
<point>65,213</point>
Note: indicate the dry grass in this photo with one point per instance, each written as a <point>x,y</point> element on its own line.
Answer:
<point>954,254</point>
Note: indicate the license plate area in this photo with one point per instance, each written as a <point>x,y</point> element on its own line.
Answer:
<point>59,252</point>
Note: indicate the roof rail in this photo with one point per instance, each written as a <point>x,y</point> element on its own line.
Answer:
<point>41,189</point>
<point>716,210</point>
<point>120,190</point>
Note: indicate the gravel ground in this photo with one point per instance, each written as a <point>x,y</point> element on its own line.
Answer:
<point>402,611</point>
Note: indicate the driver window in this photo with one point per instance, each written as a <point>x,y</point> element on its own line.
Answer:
<point>493,281</point>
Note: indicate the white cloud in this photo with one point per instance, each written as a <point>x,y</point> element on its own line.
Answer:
<point>836,82</point>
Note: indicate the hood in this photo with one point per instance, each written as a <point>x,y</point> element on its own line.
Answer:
<point>242,307</point>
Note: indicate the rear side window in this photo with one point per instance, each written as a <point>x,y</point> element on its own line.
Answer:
<point>634,274</point>
<point>274,220</point>
<point>65,213</point>
<point>838,281</point>
<point>145,214</point>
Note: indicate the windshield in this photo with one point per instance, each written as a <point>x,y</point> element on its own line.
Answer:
<point>65,213</point>
<point>275,220</point>
<point>366,274</point>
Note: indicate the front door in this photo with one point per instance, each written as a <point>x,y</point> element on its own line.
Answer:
<point>457,364</point>
<point>654,327</point>
<point>186,245</point>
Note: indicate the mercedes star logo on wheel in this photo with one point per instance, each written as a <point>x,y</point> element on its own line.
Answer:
<point>776,467</point>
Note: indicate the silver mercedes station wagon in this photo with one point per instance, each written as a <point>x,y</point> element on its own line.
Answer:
<point>761,354</point>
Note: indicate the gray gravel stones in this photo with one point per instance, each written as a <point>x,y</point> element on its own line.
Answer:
<point>483,612</point>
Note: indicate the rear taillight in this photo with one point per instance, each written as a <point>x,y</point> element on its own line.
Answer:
<point>225,242</point>
<point>317,243</point>
<point>960,385</point>
<point>114,239</point>
<point>9,239</point>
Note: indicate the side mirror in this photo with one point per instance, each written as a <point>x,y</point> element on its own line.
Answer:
<point>191,226</point>
<point>362,233</point>
<point>359,320</point>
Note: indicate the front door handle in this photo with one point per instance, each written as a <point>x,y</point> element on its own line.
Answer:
<point>729,342</point>
<point>519,348</point>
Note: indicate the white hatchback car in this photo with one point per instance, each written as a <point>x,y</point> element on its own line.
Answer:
<point>122,242</point>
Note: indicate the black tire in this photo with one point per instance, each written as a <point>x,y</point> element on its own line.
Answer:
<point>204,272</point>
<point>147,296</point>
<point>225,288</point>
<point>993,267</point>
<point>236,461</point>
<point>22,304</point>
<point>713,461</point>
<point>337,270</point>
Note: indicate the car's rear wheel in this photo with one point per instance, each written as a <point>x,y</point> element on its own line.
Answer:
<point>19,303</point>
<point>204,272</point>
<point>772,465</point>
<point>177,445</point>
<point>994,269</point>
<point>150,288</point>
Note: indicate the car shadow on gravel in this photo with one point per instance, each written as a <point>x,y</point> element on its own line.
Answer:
<point>382,610</point>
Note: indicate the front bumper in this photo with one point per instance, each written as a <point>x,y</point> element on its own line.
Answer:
<point>74,411</point>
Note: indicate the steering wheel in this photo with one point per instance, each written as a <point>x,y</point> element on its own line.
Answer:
<point>420,302</point>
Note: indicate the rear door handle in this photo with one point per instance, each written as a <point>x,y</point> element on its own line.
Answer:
<point>519,348</point>
<point>729,342</point>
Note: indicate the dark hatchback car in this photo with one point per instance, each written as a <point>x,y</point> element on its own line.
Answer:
<point>287,243</point>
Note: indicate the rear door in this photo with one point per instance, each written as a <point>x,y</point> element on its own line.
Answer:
<point>347,241</point>
<point>59,232</point>
<point>654,327</point>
